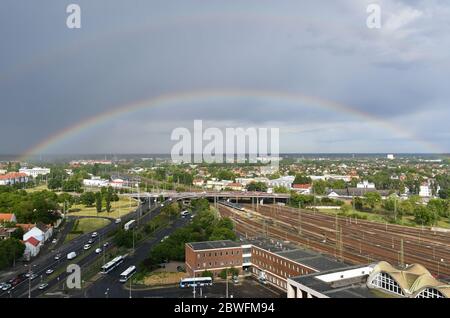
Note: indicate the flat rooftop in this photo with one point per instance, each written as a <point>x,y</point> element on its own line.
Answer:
<point>354,287</point>
<point>310,258</point>
<point>211,245</point>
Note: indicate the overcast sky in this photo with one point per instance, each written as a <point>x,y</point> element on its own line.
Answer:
<point>52,77</point>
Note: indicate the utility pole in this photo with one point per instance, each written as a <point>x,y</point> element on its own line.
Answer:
<point>401,253</point>
<point>299,220</point>
<point>226,294</point>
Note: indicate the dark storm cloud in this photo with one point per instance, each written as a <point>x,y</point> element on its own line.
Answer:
<point>52,77</point>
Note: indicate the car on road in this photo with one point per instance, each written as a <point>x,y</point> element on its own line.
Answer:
<point>87,246</point>
<point>6,287</point>
<point>43,286</point>
<point>95,234</point>
<point>33,276</point>
<point>57,256</point>
<point>54,241</point>
<point>262,280</point>
<point>98,251</point>
<point>90,241</point>
<point>184,213</point>
<point>27,275</point>
<point>49,271</point>
<point>118,220</point>
<point>105,244</point>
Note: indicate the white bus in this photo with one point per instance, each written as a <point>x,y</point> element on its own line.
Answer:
<point>112,264</point>
<point>196,281</point>
<point>129,225</point>
<point>130,271</point>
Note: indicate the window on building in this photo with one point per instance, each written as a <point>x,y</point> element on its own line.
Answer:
<point>386,282</point>
<point>430,293</point>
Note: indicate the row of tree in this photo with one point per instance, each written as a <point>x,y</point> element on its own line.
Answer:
<point>205,226</point>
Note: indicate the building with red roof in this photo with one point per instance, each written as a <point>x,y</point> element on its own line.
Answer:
<point>13,178</point>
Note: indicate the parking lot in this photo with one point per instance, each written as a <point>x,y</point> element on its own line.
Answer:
<point>246,288</point>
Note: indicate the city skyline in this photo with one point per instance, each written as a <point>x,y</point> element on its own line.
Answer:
<point>334,87</point>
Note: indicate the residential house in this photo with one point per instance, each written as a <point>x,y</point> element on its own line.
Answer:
<point>13,178</point>
<point>235,186</point>
<point>302,188</point>
<point>36,233</point>
<point>32,247</point>
<point>7,217</point>
<point>46,229</point>
<point>365,185</point>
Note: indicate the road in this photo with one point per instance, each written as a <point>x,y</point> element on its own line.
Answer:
<point>110,282</point>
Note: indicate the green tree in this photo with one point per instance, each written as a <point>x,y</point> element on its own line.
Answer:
<point>422,215</point>
<point>320,187</point>
<point>372,199</point>
<point>88,198</point>
<point>10,250</point>
<point>302,179</point>
<point>98,202</point>
<point>207,274</point>
<point>257,186</point>
<point>230,272</point>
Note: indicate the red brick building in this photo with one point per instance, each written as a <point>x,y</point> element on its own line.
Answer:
<point>212,256</point>
<point>272,261</point>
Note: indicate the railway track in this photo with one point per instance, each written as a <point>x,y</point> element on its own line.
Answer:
<point>346,239</point>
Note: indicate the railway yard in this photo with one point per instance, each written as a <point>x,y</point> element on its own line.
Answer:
<point>353,241</point>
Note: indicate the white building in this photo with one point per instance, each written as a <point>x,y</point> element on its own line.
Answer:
<point>34,172</point>
<point>425,190</point>
<point>117,183</point>
<point>13,178</point>
<point>285,181</point>
<point>365,185</point>
<point>390,156</point>
<point>36,233</point>
<point>217,185</point>
<point>95,182</point>
<point>32,247</point>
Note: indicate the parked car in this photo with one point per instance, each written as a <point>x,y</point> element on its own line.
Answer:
<point>95,234</point>
<point>105,244</point>
<point>49,271</point>
<point>43,286</point>
<point>118,220</point>
<point>235,280</point>
<point>164,238</point>
<point>87,246</point>
<point>6,287</point>
<point>98,251</point>
<point>91,240</point>
<point>54,241</point>
<point>57,256</point>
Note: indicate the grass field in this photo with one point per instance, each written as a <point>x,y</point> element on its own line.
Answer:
<point>41,187</point>
<point>119,208</point>
<point>85,226</point>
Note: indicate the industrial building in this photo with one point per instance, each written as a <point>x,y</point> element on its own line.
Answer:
<point>377,280</point>
<point>270,260</point>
